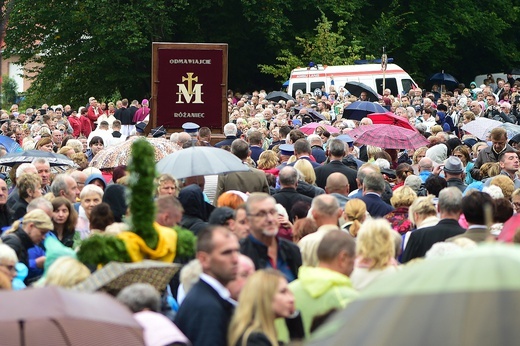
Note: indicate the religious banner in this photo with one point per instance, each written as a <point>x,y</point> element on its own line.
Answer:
<point>189,84</point>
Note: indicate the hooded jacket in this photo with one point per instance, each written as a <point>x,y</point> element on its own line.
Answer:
<point>318,290</point>
<point>196,211</point>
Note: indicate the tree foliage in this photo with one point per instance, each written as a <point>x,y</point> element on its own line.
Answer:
<point>89,47</point>
<point>9,91</point>
<point>103,47</point>
<point>326,45</point>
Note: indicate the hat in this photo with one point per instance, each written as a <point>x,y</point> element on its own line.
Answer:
<point>286,149</point>
<point>515,139</point>
<point>190,127</point>
<point>453,165</point>
<point>29,111</point>
<point>418,108</point>
<point>221,215</point>
<point>139,127</point>
<point>470,142</point>
<point>144,102</point>
<point>95,176</point>
<point>414,182</point>
<point>158,131</point>
<point>39,218</point>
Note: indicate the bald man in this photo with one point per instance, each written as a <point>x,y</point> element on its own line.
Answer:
<point>337,186</point>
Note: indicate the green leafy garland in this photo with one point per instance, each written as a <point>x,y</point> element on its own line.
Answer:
<point>101,249</point>
<point>141,190</point>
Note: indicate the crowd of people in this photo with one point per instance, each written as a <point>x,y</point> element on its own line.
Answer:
<point>314,221</point>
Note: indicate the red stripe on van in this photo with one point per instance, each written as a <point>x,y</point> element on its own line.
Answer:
<point>317,74</point>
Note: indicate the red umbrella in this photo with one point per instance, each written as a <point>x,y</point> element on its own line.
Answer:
<point>388,137</point>
<point>510,227</point>
<point>390,118</point>
<point>310,128</point>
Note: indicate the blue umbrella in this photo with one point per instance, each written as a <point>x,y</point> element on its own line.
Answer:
<point>360,109</point>
<point>10,145</point>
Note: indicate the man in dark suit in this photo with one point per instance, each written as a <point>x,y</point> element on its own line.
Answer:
<point>205,313</point>
<point>230,131</point>
<point>255,144</point>
<point>302,150</point>
<point>421,240</point>
<point>253,180</point>
<point>336,151</point>
<point>317,148</point>
<point>474,208</point>
<point>373,187</point>
<point>288,196</point>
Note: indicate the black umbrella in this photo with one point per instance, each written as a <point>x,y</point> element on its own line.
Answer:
<point>315,115</point>
<point>29,155</point>
<point>278,95</point>
<point>356,88</point>
<point>360,109</point>
<point>444,79</point>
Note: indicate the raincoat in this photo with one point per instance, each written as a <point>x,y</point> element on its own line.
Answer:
<point>316,292</point>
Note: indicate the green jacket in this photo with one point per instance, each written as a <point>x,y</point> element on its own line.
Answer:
<point>316,292</point>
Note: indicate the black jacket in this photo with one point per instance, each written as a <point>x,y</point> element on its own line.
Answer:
<point>323,172</point>
<point>289,252</point>
<point>287,197</point>
<point>423,239</point>
<point>204,316</point>
<point>20,242</point>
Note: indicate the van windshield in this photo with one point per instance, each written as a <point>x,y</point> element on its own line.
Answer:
<point>408,84</point>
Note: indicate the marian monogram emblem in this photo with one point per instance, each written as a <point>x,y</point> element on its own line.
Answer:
<point>189,90</point>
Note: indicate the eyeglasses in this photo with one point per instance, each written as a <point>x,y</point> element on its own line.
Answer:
<point>263,214</point>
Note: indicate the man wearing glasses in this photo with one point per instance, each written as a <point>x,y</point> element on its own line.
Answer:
<point>265,249</point>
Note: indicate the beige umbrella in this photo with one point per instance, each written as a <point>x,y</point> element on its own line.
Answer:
<point>119,154</point>
<point>115,276</point>
<point>56,316</point>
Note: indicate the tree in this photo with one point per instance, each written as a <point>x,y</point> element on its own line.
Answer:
<point>7,7</point>
<point>9,91</point>
<point>88,48</point>
<point>327,46</point>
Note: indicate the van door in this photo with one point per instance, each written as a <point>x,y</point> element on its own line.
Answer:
<point>390,83</point>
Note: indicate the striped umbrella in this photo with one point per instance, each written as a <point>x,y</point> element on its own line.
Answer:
<point>388,137</point>
<point>119,154</point>
<point>468,298</point>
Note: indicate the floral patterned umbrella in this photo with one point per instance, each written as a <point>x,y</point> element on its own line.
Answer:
<point>119,154</point>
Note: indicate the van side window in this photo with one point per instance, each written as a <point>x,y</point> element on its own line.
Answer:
<point>301,86</point>
<point>408,84</point>
<point>316,85</point>
<point>390,83</point>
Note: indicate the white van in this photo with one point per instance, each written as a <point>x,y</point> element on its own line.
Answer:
<point>310,79</point>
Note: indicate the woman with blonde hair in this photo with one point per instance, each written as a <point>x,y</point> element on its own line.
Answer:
<point>66,272</point>
<point>268,161</point>
<point>264,298</point>
<point>306,170</point>
<point>375,253</point>
<point>417,156</point>
<point>167,185</point>
<point>355,214</point>
<point>401,200</point>
<point>67,151</point>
